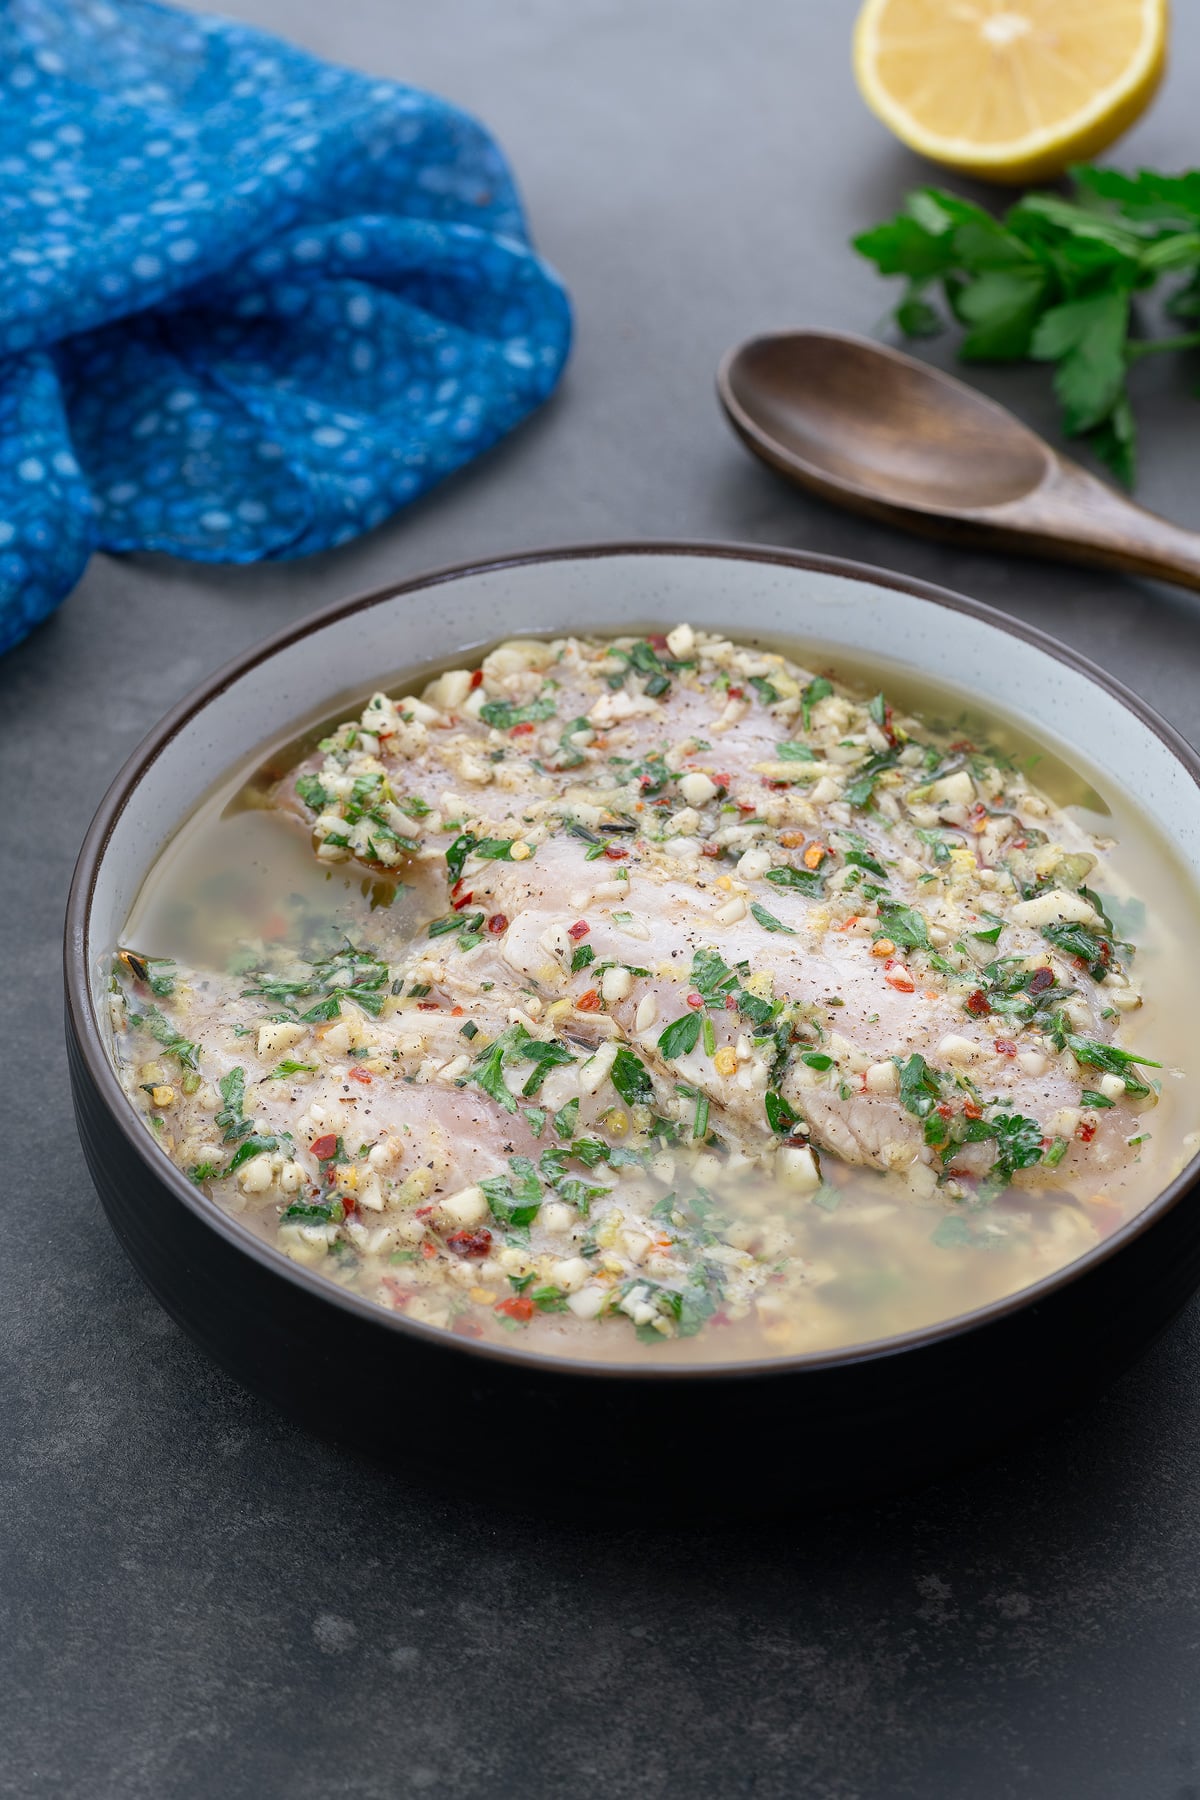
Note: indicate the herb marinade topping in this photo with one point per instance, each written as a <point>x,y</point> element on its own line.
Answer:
<point>686,933</point>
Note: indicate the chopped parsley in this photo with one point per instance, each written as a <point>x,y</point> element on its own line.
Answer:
<point>173,1042</point>
<point>818,689</point>
<point>348,974</point>
<point>681,1037</point>
<point>800,881</point>
<point>504,714</point>
<point>768,921</point>
<point>631,1079</point>
<point>903,925</point>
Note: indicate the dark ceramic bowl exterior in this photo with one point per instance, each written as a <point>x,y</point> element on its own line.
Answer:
<point>677,1440</point>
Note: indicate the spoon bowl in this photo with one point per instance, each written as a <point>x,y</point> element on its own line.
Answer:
<point>872,429</point>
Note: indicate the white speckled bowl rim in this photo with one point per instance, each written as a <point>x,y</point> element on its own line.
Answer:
<point>747,590</point>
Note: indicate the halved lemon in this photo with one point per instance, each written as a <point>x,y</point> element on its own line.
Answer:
<point>1009,90</point>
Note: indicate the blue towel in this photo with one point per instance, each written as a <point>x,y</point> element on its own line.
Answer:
<point>250,303</point>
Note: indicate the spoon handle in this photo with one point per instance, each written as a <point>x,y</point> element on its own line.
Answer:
<point>1073,515</point>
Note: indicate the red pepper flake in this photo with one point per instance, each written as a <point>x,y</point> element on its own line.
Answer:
<point>520,731</point>
<point>944,1112</point>
<point>349,1205</point>
<point>465,1327</point>
<point>972,1109</point>
<point>428,1251</point>
<point>657,641</point>
<point>589,1002</point>
<point>978,1003</point>
<point>735,693</point>
<point>695,1000</point>
<point>746,806</point>
<point>1087,1130</point>
<point>578,930</point>
<point>710,850</point>
<point>400,1294</point>
<point>357,1074</point>
<point>723,780</point>
<point>429,1006</point>
<point>731,1003</point>
<point>1006,1047</point>
<point>1019,844</point>
<point>476,678</point>
<point>962,744</point>
<point>325,1146</point>
<point>423,1212</point>
<point>473,1244</point>
<point>497,923</point>
<point>461,900</point>
<point>615,852</point>
<point>516,1307</point>
<point>1040,980</point>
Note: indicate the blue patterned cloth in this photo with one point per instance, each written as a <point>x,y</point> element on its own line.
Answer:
<point>250,303</point>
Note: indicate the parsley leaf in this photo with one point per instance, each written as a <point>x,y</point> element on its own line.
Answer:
<point>514,1197</point>
<point>768,921</point>
<point>489,849</point>
<point>681,1037</point>
<point>802,881</point>
<point>903,924</point>
<point>780,1116</point>
<point>631,1079</point>
<point>1110,1060</point>
<point>566,1119</point>
<point>163,1032</point>
<point>229,1118</point>
<point>1018,1144</point>
<point>310,790</point>
<point>503,714</point>
<point>920,1090</point>
<point>818,689</point>
<point>546,1056</point>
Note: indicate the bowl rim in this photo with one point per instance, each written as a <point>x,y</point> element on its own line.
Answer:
<point>86,1030</point>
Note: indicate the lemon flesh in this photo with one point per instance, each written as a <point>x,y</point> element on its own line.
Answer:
<point>1009,90</point>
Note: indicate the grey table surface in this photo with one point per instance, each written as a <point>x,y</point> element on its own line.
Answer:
<point>196,1599</point>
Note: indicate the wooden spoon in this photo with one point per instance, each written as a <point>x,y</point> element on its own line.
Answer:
<point>872,429</point>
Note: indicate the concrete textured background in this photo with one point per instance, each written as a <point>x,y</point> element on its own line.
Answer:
<point>195,1598</point>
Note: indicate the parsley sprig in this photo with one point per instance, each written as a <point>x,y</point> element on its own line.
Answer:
<point>1054,281</point>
